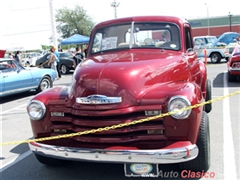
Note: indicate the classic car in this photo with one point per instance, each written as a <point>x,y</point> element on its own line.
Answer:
<point>233,65</point>
<point>29,59</point>
<point>137,68</point>
<point>15,79</point>
<point>66,62</point>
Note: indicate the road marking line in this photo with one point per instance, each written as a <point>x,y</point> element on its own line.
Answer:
<point>4,112</point>
<point>16,160</point>
<point>20,157</point>
<point>228,147</point>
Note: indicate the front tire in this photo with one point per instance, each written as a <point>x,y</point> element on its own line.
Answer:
<point>202,161</point>
<point>64,69</point>
<point>208,107</point>
<point>45,83</point>
<point>231,77</point>
<point>215,58</point>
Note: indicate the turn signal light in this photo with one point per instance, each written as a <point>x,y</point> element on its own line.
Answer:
<point>60,130</point>
<point>57,113</point>
<point>152,113</point>
<point>159,131</point>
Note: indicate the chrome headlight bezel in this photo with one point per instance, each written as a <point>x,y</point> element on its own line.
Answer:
<point>36,110</point>
<point>177,103</point>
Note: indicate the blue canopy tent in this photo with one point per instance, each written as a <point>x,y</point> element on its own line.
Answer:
<point>76,39</point>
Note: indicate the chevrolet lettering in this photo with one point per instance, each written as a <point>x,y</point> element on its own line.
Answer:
<point>98,99</point>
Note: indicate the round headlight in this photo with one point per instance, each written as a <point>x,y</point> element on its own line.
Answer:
<point>36,110</point>
<point>177,103</point>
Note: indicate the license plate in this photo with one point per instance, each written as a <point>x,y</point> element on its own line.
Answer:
<point>141,170</point>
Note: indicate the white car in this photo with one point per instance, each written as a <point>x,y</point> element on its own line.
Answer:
<point>29,59</point>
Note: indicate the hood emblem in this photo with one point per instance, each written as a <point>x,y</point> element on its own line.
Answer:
<point>98,99</point>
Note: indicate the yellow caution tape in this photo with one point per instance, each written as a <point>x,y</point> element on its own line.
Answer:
<point>118,125</point>
<point>42,64</point>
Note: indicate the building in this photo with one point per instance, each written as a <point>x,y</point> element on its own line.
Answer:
<point>215,26</point>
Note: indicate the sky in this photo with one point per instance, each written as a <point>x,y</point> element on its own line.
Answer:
<point>28,21</point>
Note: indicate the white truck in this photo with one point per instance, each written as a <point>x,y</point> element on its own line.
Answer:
<point>215,47</point>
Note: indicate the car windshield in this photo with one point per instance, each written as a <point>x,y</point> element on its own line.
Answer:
<point>7,65</point>
<point>137,35</point>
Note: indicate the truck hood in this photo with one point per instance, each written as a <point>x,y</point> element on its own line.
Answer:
<point>128,75</point>
<point>226,38</point>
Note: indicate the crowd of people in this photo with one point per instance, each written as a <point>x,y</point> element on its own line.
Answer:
<point>16,56</point>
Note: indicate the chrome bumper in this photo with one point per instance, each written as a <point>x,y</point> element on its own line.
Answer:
<point>157,156</point>
<point>234,69</point>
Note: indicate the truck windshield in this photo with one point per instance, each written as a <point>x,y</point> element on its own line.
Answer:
<point>137,35</point>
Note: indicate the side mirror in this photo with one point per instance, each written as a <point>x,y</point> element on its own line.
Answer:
<point>195,49</point>
<point>198,49</point>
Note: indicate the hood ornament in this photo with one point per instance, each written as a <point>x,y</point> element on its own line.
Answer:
<point>98,99</point>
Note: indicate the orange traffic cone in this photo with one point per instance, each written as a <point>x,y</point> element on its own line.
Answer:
<point>205,55</point>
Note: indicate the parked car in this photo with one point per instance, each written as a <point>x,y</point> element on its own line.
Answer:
<point>66,62</point>
<point>43,52</point>
<point>137,69</point>
<point>15,79</point>
<point>29,59</point>
<point>234,65</point>
<point>232,45</point>
<point>215,47</point>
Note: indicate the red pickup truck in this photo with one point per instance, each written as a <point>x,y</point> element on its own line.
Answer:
<point>137,68</point>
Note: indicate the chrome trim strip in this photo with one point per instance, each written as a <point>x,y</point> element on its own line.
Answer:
<point>158,156</point>
<point>234,69</point>
<point>131,36</point>
<point>98,99</point>
<point>13,91</point>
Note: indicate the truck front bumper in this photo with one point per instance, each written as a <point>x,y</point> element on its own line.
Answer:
<point>235,71</point>
<point>175,153</point>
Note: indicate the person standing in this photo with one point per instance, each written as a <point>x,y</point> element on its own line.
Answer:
<point>10,55</point>
<point>86,51</point>
<point>58,61</point>
<point>53,62</point>
<point>78,57</point>
<point>18,57</point>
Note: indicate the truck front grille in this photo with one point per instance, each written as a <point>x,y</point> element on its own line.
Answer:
<point>151,133</point>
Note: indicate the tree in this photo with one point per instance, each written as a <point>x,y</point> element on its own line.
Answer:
<point>73,21</point>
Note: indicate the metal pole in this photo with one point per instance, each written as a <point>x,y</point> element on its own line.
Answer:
<point>53,23</point>
<point>230,21</point>
<point>207,18</point>
<point>115,5</point>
